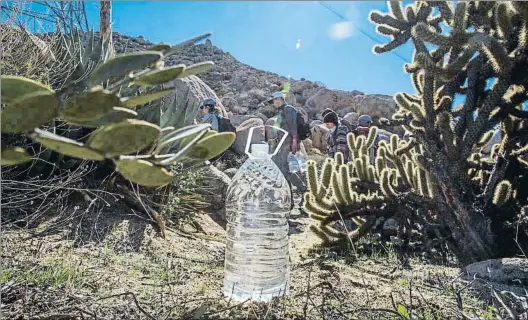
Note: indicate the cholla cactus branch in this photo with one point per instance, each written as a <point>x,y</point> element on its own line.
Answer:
<point>447,170</point>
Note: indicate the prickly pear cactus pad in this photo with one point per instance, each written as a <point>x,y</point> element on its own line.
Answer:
<point>188,139</point>
<point>102,96</point>
<point>90,105</point>
<point>117,114</point>
<point>124,137</point>
<point>65,146</point>
<point>176,137</point>
<point>14,87</point>
<point>29,111</point>
<point>196,68</point>
<point>212,145</point>
<point>14,155</point>
<point>160,76</point>
<point>144,173</point>
<point>144,98</point>
<point>162,47</point>
<point>123,64</point>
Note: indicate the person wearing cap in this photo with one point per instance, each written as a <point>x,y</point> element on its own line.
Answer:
<point>208,108</point>
<point>336,140</point>
<point>286,120</point>
<point>364,123</point>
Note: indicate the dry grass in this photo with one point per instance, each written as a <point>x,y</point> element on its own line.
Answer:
<point>114,265</point>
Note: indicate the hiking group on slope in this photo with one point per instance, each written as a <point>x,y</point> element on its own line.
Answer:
<point>338,129</point>
<point>292,121</point>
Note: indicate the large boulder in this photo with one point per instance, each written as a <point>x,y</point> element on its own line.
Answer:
<point>237,119</point>
<point>351,117</point>
<point>242,134</point>
<point>252,99</point>
<point>340,101</point>
<point>512,271</point>
<point>376,106</point>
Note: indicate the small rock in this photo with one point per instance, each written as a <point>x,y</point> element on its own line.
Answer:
<point>390,227</point>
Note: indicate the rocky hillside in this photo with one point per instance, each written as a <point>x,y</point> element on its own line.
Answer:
<point>244,90</point>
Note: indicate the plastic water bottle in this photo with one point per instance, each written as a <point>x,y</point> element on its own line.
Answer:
<point>293,164</point>
<point>301,160</point>
<point>257,250</point>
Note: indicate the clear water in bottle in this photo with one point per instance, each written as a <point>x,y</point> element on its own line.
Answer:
<point>293,164</point>
<point>301,161</point>
<point>257,254</point>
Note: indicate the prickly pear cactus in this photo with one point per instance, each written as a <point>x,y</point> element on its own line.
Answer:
<point>442,178</point>
<point>138,148</point>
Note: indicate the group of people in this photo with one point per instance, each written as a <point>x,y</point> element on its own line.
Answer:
<point>286,120</point>
<point>336,138</point>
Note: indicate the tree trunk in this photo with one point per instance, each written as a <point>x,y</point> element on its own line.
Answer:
<point>470,231</point>
<point>105,22</point>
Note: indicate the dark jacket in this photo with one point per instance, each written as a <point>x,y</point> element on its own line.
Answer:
<point>337,142</point>
<point>287,118</point>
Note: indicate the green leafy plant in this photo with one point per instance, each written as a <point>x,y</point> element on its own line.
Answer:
<point>133,145</point>
<point>442,178</point>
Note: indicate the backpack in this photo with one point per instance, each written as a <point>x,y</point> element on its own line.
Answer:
<point>225,125</point>
<point>303,128</point>
<point>362,131</point>
<point>351,127</point>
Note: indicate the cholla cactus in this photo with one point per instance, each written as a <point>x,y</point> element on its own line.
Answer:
<point>137,147</point>
<point>441,174</point>
<point>360,191</point>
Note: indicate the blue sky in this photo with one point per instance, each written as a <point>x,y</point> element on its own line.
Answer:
<point>264,35</point>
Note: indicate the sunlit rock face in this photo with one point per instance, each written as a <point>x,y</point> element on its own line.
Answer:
<point>244,90</point>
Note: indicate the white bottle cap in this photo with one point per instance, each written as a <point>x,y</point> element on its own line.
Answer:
<point>260,150</point>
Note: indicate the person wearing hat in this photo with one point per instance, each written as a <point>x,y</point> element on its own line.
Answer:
<point>208,108</point>
<point>364,123</point>
<point>336,140</point>
<point>286,120</point>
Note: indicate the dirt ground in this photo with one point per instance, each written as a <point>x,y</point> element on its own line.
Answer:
<point>115,265</point>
